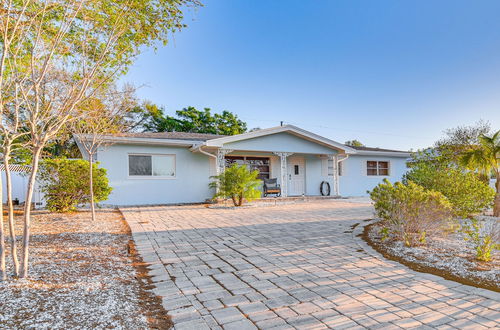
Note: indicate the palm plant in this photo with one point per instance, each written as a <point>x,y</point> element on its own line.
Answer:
<point>237,183</point>
<point>485,157</point>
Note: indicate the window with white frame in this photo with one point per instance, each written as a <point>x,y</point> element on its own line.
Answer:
<point>379,168</point>
<point>327,167</point>
<point>330,166</point>
<point>153,165</point>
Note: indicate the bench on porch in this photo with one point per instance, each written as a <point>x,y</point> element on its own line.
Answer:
<point>271,186</point>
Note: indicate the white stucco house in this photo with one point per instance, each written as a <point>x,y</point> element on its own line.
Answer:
<point>175,167</point>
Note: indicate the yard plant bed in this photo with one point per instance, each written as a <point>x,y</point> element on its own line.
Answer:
<point>84,275</point>
<point>449,257</point>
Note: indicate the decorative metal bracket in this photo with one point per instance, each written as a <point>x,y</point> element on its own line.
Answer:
<point>221,161</point>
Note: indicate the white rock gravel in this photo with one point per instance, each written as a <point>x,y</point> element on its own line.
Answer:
<point>81,277</point>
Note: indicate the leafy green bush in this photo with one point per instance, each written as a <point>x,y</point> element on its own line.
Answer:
<point>238,183</point>
<point>465,190</point>
<point>409,212</point>
<point>65,183</point>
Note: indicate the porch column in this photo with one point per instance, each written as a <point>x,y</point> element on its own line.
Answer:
<point>220,165</point>
<point>336,175</point>
<point>284,172</point>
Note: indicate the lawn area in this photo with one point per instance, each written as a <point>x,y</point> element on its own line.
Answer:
<point>83,274</point>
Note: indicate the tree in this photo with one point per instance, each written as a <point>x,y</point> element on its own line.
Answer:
<point>190,120</point>
<point>458,140</point>
<point>152,118</point>
<point>237,183</point>
<point>103,116</point>
<point>354,143</point>
<point>11,135</point>
<point>485,157</point>
<point>58,53</point>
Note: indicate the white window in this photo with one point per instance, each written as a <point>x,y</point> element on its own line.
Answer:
<point>327,167</point>
<point>330,167</point>
<point>379,168</point>
<point>151,166</point>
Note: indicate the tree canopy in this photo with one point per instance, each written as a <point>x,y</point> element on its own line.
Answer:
<point>354,143</point>
<point>459,140</point>
<point>152,118</point>
<point>485,158</point>
<point>55,55</point>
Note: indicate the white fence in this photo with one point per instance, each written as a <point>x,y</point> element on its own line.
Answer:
<point>19,174</point>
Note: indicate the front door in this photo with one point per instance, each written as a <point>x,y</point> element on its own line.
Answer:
<point>296,176</point>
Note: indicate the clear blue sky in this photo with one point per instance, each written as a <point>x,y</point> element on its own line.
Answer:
<point>392,74</point>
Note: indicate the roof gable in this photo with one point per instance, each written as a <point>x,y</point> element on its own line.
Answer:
<point>306,135</point>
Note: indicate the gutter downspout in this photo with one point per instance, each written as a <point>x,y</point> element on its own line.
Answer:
<point>337,186</point>
<point>198,148</point>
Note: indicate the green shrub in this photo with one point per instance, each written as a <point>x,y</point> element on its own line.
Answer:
<point>465,190</point>
<point>238,183</point>
<point>409,212</point>
<point>65,183</point>
<point>484,235</point>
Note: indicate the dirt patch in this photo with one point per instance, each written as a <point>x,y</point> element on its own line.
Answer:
<point>83,274</point>
<point>422,259</point>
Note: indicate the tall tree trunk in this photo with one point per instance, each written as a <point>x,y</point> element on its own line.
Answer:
<point>27,211</point>
<point>496,206</point>
<point>91,177</point>
<point>12,230</point>
<point>3,273</point>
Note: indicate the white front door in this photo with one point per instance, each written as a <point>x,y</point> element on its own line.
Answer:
<point>296,176</point>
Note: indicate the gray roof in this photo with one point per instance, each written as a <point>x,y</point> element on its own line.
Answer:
<point>376,149</point>
<point>173,136</point>
<point>205,137</point>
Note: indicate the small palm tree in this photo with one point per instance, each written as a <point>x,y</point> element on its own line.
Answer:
<point>237,183</point>
<point>485,157</point>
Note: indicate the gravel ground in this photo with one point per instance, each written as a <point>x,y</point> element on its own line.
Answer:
<point>82,276</point>
<point>451,254</point>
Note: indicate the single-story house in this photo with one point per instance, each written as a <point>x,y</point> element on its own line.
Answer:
<point>175,167</point>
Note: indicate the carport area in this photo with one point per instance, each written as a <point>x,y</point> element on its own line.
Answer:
<point>298,265</point>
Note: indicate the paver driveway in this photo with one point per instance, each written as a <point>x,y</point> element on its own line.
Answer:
<point>292,266</point>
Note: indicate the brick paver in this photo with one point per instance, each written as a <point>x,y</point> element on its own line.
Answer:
<point>292,266</point>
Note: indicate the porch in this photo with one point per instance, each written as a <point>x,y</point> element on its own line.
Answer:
<point>300,160</point>
<point>298,174</point>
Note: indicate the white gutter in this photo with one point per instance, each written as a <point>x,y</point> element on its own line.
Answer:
<point>198,148</point>
<point>341,160</point>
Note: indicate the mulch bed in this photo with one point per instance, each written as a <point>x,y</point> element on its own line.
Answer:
<point>84,275</point>
<point>449,257</point>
